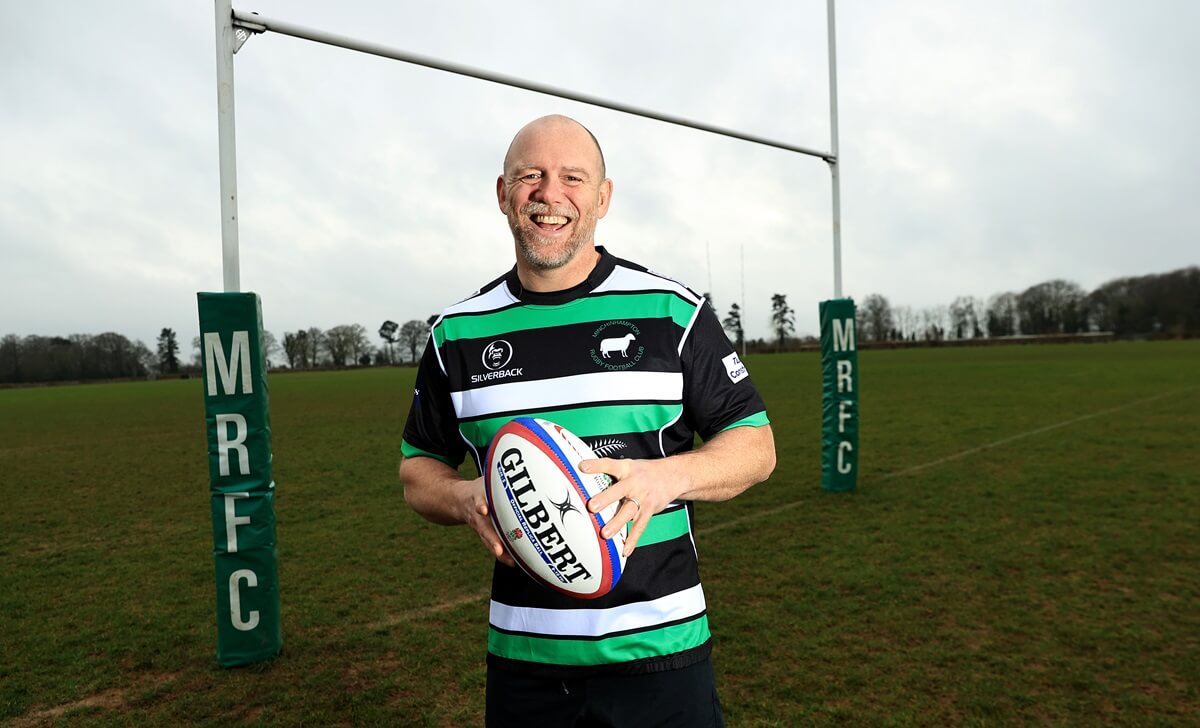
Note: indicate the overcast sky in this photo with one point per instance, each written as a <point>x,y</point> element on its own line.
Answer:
<point>985,147</point>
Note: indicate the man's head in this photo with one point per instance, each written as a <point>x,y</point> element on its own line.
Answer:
<point>553,190</point>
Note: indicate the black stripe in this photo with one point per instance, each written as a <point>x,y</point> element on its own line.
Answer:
<point>563,351</point>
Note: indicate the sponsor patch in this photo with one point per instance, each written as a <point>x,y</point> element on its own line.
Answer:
<point>735,368</point>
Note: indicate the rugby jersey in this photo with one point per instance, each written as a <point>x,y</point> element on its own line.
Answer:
<point>636,365</point>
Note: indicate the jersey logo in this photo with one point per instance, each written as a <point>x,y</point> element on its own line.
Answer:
<point>735,368</point>
<point>497,354</point>
<point>616,346</point>
<point>607,446</point>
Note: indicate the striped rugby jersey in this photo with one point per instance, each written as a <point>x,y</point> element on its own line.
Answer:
<point>634,364</point>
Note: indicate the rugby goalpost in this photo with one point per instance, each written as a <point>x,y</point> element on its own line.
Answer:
<point>237,418</point>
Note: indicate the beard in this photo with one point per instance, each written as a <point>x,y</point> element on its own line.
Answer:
<point>541,252</point>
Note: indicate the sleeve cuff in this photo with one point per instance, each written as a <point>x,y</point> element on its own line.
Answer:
<point>409,450</point>
<point>758,419</point>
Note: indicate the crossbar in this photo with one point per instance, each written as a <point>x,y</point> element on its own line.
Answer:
<point>258,23</point>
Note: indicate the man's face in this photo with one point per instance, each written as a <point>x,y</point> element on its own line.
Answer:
<point>553,192</point>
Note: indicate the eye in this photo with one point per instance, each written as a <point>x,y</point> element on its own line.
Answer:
<point>573,180</point>
<point>530,177</point>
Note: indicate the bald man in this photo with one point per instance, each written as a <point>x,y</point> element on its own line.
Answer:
<point>640,655</point>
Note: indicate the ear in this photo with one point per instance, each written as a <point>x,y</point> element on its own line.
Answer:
<point>502,194</point>
<point>603,197</point>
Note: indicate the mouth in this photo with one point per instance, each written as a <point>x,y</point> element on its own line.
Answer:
<point>550,223</point>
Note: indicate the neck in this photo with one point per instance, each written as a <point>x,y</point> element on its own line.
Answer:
<point>561,278</point>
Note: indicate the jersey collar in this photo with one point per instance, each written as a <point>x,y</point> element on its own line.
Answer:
<point>604,267</point>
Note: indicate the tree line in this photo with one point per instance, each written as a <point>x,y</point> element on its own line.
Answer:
<point>86,357</point>
<point>1157,305</point>
<point>1160,305</point>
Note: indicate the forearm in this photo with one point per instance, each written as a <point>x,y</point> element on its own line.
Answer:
<point>726,465</point>
<point>435,490</point>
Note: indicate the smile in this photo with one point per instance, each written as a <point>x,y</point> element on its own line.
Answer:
<point>549,222</point>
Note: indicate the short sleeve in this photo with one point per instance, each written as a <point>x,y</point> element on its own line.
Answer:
<point>717,390</point>
<point>432,427</point>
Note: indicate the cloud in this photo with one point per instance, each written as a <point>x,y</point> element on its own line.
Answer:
<point>984,148</point>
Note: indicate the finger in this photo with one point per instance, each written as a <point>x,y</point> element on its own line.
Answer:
<point>635,533</point>
<point>497,550</point>
<point>616,469</point>
<point>626,513</point>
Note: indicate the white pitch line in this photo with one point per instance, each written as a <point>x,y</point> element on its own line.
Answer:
<point>1031,433</point>
<point>416,614</point>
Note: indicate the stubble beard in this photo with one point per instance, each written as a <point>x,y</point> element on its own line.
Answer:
<point>543,253</point>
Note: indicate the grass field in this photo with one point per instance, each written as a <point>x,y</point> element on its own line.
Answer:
<point>1023,547</point>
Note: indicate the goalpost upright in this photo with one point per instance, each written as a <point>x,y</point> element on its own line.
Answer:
<point>234,363</point>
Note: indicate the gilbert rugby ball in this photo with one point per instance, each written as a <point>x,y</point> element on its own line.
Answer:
<point>537,499</point>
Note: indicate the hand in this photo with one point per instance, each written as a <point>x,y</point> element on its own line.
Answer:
<point>644,488</point>
<point>475,514</point>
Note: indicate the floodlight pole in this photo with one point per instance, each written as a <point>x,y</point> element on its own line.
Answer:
<point>833,159</point>
<point>227,146</point>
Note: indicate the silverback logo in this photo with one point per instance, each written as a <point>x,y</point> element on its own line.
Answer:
<point>617,347</point>
<point>495,356</point>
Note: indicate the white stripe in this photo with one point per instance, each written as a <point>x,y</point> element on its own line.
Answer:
<point>599,622</point>
<point>544,394</point>
<point>627,279</point>
<point>498,297</point>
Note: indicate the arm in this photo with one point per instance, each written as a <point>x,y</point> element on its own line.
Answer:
<point>723,467</point>
<point>439,494</point>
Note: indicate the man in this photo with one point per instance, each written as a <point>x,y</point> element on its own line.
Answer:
<point>532,343</point>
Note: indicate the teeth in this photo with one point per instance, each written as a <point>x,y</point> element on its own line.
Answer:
<point>550,219</point>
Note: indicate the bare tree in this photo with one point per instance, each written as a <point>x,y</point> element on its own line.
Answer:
<point>360,344</point>
<point>933,323</point>
<point>314,340</point>
<point>964,321</point>
<point>1052,307</point>
<point>413,335</point>
<point>1002,316</point>
<point>271,347</point>
<point>338,343</point>
<point>875,318</point>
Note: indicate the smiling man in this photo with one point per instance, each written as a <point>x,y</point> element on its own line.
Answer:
<point>637,365</point>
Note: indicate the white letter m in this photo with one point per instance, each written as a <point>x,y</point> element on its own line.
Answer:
<point>238,361</point>
<point>843,335</point>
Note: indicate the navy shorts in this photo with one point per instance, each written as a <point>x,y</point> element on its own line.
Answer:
<point>686,698</point>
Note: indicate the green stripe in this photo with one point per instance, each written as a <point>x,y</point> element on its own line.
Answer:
<point>757,419</point>
<point>585,310</point>
<point>664,527</point>
<point>412,451</point>
<point>652,643</point>
<point>584,421</point>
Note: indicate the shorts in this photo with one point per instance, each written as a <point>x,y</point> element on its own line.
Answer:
<point>683,698</point>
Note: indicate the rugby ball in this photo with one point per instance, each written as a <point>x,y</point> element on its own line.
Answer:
<point>537,499</point>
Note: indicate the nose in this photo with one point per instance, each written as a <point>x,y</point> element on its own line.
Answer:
<point>549,190</point>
